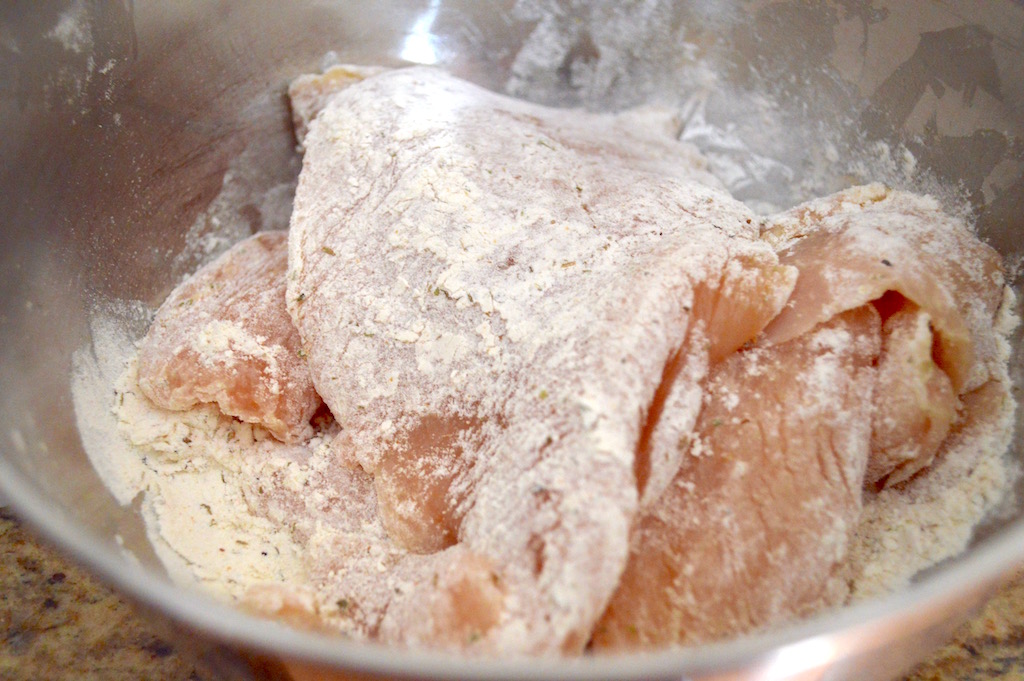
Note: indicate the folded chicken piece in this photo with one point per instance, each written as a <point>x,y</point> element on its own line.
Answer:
<point>500,301</point>
<point>580,393</point>
<point>938,288</point>
<point>915,405</point>
<point>856,381</point>
<point>756,523</point>
<point>224,336</point>
<point>859,244</point>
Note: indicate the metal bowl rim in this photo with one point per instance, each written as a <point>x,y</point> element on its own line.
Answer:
<point>985,564</point>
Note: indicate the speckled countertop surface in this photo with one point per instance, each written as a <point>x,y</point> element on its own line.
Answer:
<point>57,623</point>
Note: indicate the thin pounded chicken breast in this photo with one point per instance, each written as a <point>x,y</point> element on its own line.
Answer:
<point>494,360</point>
<point>938,288</point>
<point>755,525</point>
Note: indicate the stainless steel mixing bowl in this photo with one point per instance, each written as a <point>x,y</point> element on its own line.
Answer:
<point>126,125</point>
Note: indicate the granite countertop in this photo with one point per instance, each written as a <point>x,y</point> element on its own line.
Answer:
<point>57,623</point>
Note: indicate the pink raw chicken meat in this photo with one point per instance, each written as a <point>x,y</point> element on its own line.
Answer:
<point>753,529</point>
<point>497,364</point>
<point>859,244</point>
<point>756,523</point>
<point>938,288</point>
<point>224,336</point>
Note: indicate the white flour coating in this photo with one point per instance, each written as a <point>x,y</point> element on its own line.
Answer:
<point>219,338</point>
<point>196,476</point>
<point>243,492</point>
<point>566,309</point>
<point>72,29</point>
<point>906,529</point>
<point>188,470</point>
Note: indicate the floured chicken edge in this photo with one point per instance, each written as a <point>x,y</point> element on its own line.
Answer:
<point>536,401</point>
<point>224,336</point>
<point>755,524</point>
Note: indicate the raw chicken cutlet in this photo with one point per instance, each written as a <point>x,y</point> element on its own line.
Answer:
<point>493,362</point>
<point>224,336</point>
<point>755,524</point>
<point>793,427</point>
<point>580,394</point>
<point>938,287</point>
